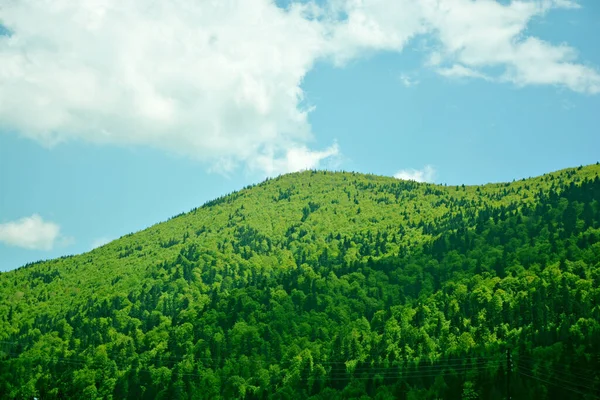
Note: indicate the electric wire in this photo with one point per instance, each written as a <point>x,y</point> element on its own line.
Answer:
<point>566,381</point>
<point>531,359</point>
<point>545,369</point>
<point>558,385</point>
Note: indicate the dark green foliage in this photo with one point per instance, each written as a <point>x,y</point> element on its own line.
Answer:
<point>324,286</point>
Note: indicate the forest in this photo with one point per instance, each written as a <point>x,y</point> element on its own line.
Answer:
<point>325,285</point>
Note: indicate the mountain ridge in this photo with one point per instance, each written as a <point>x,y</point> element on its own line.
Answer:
<point>129,242</point>
<point>224,198</point>
<point>322,264</point>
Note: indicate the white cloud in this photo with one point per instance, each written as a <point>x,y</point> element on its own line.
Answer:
<point>460,71</point>
<point>295,159</point>
<point>476,34</point>
<point>407,80</point>
<point>427,174</point>
<point>371,26</point>
<point>99,242</point>
<point>220,81</point>
<point>470,35</point>
<point>30,233</point>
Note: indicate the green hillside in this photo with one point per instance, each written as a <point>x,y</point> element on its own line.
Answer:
<point>327,286</point>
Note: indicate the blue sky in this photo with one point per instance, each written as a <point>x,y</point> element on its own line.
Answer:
<point>115,117</point>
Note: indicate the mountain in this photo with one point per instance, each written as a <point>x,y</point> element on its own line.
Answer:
<point>325,285</point>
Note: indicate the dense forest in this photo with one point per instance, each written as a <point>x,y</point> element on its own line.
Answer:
<point>325,285</point>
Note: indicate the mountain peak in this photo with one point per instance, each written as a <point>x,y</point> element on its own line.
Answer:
<point>322,277</point>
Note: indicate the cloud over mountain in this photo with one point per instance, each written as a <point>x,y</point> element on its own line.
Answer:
<point>221,81</point>
<point>30,233</point>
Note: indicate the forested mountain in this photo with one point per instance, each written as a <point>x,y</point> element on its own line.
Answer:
<point>326,286</point>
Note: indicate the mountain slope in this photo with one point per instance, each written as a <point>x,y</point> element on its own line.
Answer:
<point>328,285</point>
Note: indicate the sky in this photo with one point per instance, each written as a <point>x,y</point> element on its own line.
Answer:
<point>118,114</point>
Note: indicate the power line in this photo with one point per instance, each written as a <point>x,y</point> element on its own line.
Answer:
<point>590,378</point>
<point>547,376</point>
<point>444,363</point>
<point>424,361</point>
<point>531,359</point>
<point>425,374</point>
<point>434,367</point>
<point>405,371</point>
<point>558,385</point>
<point>419,365</point>
<point>378,374</point>
<point>429,368</point>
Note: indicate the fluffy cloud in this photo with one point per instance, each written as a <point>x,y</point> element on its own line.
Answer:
<point>220,81</point>
<point>480,34</point>
<point>408,80</point>
<point>30,233</point>
<point>470,36</point>
<point>427,174</point>
<point>295,159</point>
<point>460,71</point>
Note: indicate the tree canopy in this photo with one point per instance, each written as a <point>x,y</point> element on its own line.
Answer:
<point>325,285</point>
